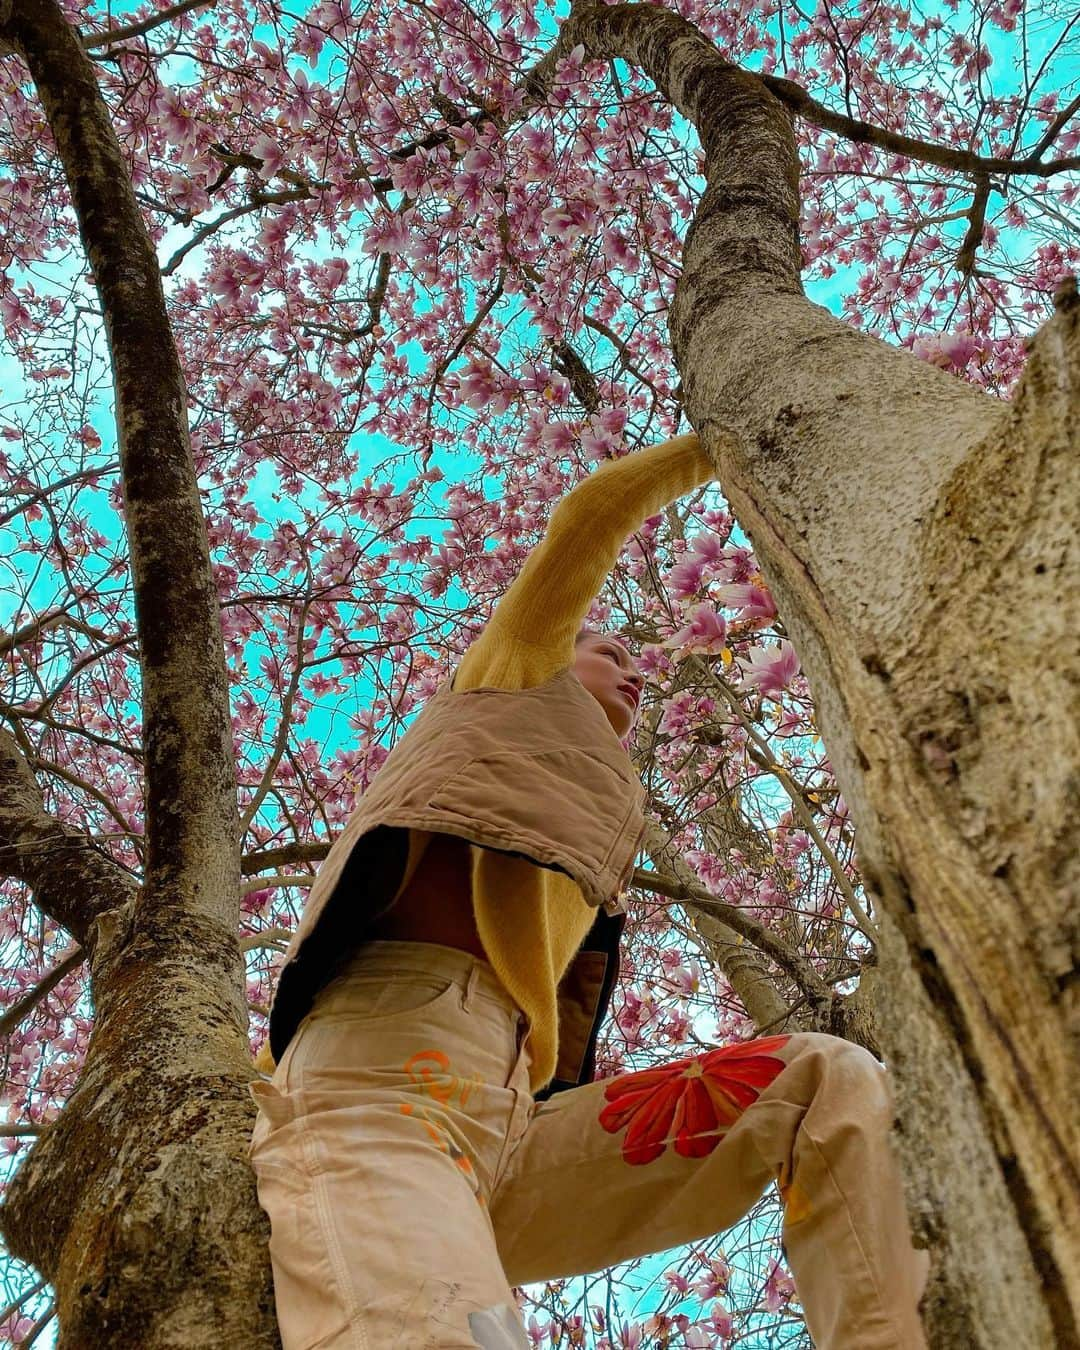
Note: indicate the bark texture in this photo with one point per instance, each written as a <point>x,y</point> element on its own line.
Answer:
<point>138,1203</point>
<point>920,540</point>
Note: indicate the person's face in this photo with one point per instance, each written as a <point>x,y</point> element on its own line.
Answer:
<point>610,674</point>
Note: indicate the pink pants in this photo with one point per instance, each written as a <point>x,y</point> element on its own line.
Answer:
<point>411,1179</point>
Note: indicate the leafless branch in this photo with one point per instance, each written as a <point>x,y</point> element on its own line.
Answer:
<point>270,937</point>
<point>257,201</point>
<point>32,631</point>
<point>29,1001</point>
<point>38,1327</point>
<point>253,863</point>
<point>1051,133</point>
<point>144,25</point>
<point>19,1299</point>
<point>789,961</point>
<point>761,753</point>
<point>278,879</point>
<point>55,486</point>
<point>72,881</point>
<point>795,97</point>
<point>965,257</point>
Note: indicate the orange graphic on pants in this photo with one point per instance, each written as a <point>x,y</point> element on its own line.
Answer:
<point>430,1070</point>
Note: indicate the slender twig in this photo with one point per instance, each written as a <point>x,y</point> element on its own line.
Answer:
<point>258,200</point>
<point>765,759</point>
<point>50,766</point>
<point>38,1327</point>
<point>43,708</point>
<point>284,725</point>
<point>29,1001</point>
<point>481,314</point>
<point>55,486</point>
<point>20,1299</point>
<point>1051,132</point>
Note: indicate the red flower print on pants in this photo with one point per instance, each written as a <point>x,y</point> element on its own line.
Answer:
<point>690,1102</point>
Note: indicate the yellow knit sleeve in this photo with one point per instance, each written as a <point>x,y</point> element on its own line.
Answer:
<point>531,633</point>
<point>264,1060</point>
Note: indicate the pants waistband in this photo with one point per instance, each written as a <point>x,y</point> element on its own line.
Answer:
<point>390,958</point>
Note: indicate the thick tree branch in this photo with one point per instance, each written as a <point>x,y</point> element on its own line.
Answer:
<point>795,97</point>
<point>277,879</point>
<point>537,82</point>
<point>71,880</point>
<point>776,949</point>
<point>746,969</point>
<point>729,109</point>
<point>278,938</point>
<point>912,537</point>
<point>33,631</point>
<point>191,819</point>
<point>965,258</point>
<point>253,863</point>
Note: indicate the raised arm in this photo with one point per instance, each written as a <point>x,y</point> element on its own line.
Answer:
<point>530,635</point>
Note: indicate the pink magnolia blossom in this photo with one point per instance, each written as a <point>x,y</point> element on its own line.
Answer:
<point>706,632</point>
<point>558,437</point>
<point>752,600</point>
<point>779,1288</point>
<point>770,669</point>
<point>676,1281</point>
<point>721,1323</point>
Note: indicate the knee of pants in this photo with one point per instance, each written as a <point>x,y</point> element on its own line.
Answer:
<point>851,1067</point>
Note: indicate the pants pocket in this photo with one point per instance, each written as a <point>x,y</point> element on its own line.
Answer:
<point>277,1111</point>
<point>368,1000</point>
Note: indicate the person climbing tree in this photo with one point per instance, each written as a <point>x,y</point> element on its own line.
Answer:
<point>431,1135</point>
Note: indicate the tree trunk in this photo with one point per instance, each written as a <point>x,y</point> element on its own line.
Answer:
<point>919,538</point>
<point>138,1203</point>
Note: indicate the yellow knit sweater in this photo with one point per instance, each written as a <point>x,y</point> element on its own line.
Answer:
<point>532,920</point>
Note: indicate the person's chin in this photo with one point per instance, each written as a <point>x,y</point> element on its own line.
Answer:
<point>624,723</point>
<point>627,714</point>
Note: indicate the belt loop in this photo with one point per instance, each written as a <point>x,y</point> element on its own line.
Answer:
<point>470,986</point>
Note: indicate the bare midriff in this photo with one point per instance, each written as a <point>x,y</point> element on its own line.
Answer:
<point>436,905</point>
